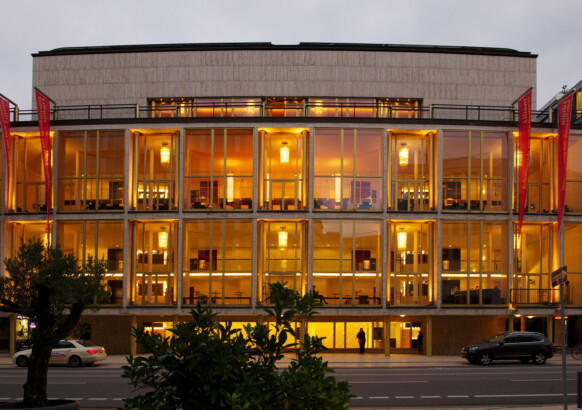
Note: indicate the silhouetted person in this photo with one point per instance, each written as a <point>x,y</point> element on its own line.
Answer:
<point>419,340</point>
<point>361,339</point>
<point>317,296</point>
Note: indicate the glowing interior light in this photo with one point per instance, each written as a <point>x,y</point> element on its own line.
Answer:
<point>283,236</point>
<point>517,241</point>
<point>366,264</point>
<point>401,239</point>
<point>284,153</point>
<point>230,188</point>
<point>163,238</point>
<point>165,153</point>
<point>517,158</point>
<point>403,155</point>
<point>338,188</point>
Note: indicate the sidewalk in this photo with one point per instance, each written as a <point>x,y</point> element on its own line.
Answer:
<point>347,360</point>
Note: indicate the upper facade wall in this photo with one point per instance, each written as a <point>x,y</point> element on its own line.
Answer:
<point>444,78</point>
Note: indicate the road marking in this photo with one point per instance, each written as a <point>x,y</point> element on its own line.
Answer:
<point>379,397</point>
<point>524,395</point>
<point>97,398</point>
<point>404,397</point>
<point>391,382</point>
<point>357,398</point>
<point>74,398</point>
<point>430,397</point>
<point>460,396</point>
<point>538,380</point>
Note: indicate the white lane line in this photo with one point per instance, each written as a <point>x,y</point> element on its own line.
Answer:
<point>74,398</point>
<point>98,398</point>
<point>537,380</point>
<point>430,397</point>
<point>460,396</point>
<point>523,395</point>
<point>357,398</point>
<point>392,382</point>
<point>404,397</point>
<point>379,397</point>
<point>5,398</point>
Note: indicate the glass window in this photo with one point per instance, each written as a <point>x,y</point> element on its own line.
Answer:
<point>474,263</point>
<point>283,256</point>
<point>153,278</point>
<point>219,169</point>
<point>411,277</point>
<point>102,240</point>
<point>474,171</point>
<point>399,108</point>
<point>29,174</point>
<point>533,263</point>
<point>348,169</point>
<point>155,167</point>
<point>572,241</point>
<point>284,107</point>
<point>342,107</point>
<point>24,231</point>
<point>573,202</point>
<point>346,261</point>
<point>411,168</point>
<point>91,170</point>
<point>283,169</point>
<point>217,262</point>
<point>539,188</point>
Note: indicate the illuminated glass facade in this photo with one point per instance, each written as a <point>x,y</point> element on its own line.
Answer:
<point>396,219</point>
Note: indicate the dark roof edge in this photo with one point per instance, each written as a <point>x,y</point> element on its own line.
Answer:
<point>142,48</point>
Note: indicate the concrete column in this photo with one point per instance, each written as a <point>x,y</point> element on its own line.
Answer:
<point>12,335</point>
<point>387,336</point>
<point>132,342</point>
<point>428,335</point>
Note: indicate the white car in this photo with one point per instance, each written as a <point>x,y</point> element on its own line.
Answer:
<point>75,353</point>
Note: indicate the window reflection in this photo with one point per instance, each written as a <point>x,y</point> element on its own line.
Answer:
<point>411,168</point>
<point>348,169</point>
<point>218,169</point>
<point>283,169</point>
<point>346,261</point>
<point>410,264</point>
<point>474,263</point>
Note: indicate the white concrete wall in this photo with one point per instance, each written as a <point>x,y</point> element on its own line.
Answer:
<point>135,77</point>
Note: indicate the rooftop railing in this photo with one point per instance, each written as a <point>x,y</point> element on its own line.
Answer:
<point>305,110</point>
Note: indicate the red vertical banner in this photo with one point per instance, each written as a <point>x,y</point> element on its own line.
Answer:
<point>5,123</point>
<point>524,110</point>
<point>43,107</point>
<point>564,119</point>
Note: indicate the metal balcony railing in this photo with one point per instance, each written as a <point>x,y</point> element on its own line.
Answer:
<point>534,296</point>
<point>306,110</point>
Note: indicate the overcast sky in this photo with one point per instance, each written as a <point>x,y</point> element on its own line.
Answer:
<point>550,29</point>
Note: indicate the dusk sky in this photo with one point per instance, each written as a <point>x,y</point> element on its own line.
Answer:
<point>549,29</point>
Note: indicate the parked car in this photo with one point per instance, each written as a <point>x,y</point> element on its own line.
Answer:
<point>523,346</point>
<point>74,353</point>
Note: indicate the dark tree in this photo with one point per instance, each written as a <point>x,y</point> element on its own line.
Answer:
<point>52,290</point>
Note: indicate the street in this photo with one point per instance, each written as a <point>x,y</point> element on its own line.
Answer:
<point>501,383</point>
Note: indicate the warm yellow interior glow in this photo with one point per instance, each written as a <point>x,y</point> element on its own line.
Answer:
<point>229,188</point>
<point>517,241</point>
<point>163,239</point>
<point>403,155</point>
<point>401,239</point>
<point>338,189</point>
<point>284,154</point>
<point>283,236</point>
<point>165,153</point>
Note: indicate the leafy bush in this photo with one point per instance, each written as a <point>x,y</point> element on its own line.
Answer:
<point>208,365</point>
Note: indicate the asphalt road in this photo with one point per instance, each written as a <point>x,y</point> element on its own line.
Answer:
<point>501,384</point>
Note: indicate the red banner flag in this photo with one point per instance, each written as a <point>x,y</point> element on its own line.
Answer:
<point>564,119</point>
<point>524,110</point>
<point>43,107</point>
<point>5,123</point>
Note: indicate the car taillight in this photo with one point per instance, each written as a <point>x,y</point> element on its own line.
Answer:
<point>93,351</point>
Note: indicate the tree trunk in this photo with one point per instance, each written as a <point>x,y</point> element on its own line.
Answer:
<point>35,394</point>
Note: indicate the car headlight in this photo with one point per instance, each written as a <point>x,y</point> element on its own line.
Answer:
<point>473,348</point>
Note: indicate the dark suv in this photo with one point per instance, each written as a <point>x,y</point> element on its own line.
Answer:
<point>524,346</point>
